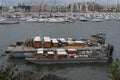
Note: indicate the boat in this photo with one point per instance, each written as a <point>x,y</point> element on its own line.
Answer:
<point>83,19</point>
<point>97,20</point>
<point>43,20</point>
<point>53,20</point>
<point>48,50</point>
<point>9,21</point>
<point>67,60</point>
<point>22,19</point>
<point>32,20</point>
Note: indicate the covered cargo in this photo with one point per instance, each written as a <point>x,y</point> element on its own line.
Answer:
<point>47,42</point>
<point>50,54</point>
<point>79,43</point>
<point>71,43</point>
<point>72,51</point>
<point>61,54</point>
<point>37,42</point>
<point>72,55</point>
<point>40,53</point>
<point>62,42</point>
<point>54,42</point>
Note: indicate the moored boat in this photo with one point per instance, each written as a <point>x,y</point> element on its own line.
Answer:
<point>9,21</point>
<point>55,50</point>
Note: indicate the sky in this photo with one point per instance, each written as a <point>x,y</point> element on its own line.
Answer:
<point>15,2</point>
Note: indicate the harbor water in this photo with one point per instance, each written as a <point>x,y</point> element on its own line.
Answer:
<point>10,33</point>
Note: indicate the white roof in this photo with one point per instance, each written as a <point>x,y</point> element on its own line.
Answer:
<point>62,39</point>
<point>37,38</point>
<point>54,41</point>
<point>40,51</point>
<point>79,42</point>
<point>60,50</point>
<point>62,53</point>
<point>50,52</point>
<point>46,39</point>
<point>71,49</point>
<point>70,42</point>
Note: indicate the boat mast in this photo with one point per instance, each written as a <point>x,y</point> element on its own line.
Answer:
<point>106,5</point>
<point>1,7</point>
<point>117,6</point>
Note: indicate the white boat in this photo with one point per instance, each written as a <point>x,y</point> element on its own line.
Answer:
<point>43,20</point>
<point>23,19</point>
<point>61,19</point>
<point>32,20</point>
<point>53,20</point>
<point>108,17</point>
<point>9,21</point>
<point>97,20</point>
<point>83,19</point>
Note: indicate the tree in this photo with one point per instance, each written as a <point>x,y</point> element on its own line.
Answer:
<point>115,70</point>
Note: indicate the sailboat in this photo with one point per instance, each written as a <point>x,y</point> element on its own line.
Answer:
<point>7,19</point>
<point>96,17</point>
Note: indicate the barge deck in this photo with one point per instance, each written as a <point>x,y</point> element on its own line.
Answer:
<point>24,49</point>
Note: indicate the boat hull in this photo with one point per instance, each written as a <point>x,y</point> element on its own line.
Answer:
<point>18,55</point>
<point>68,60</point>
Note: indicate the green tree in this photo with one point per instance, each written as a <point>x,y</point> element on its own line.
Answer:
<point>115,70</point>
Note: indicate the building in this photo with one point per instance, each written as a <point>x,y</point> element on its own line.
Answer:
<point>84,7</point>
<point>39,7</point>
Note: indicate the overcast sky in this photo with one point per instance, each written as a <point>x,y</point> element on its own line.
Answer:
<point>15,2</point>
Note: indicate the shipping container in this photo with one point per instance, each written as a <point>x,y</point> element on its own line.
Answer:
<point>72,51</point>
<point>79,43</point>
<point>40,53</point>
<point>54,43</point>
<point>71,43</point>
<point>37,42</point>
<point>61,54</point>
<point>47,42</point>
<point>50,54</point>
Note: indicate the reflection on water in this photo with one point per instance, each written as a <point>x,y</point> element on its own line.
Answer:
<point>82,71</point>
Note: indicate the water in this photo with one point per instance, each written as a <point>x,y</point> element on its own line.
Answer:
<point>14,32</point>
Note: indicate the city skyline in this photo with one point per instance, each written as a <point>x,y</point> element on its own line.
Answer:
<point>16,2</point>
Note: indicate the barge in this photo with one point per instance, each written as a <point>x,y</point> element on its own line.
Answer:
<point>60,50</point>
